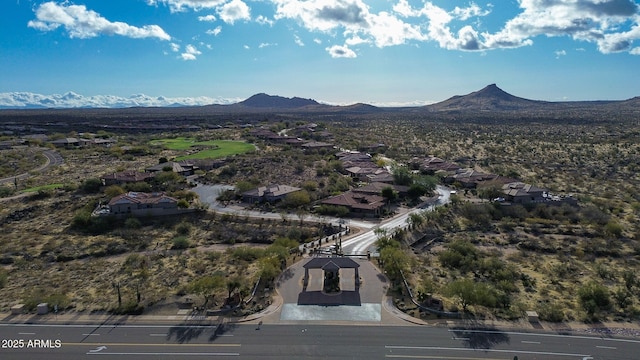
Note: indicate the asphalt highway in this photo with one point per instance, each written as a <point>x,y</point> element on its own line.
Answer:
<point>310,341</point>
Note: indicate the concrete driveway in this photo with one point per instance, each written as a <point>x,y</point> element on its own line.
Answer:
<point>361,303</point>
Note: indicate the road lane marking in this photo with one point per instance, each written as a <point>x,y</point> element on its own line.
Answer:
<point>607,347</point>
<point>484,350</point>
<point>439,357</point>
<point>25,333</point>
<point>460,338</point>
<point>530,342</point>
<point>111,326</point>
<point>90,334</point>
<point>164,354</point>
<point>157,334</point>
<point>138,344</point>
<point>542,335</point>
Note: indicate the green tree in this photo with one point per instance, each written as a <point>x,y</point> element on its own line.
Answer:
<point>206,286</point>
<point>389,194</point>
<point>395,262</point>
<point>402,176</point>
<point>297,199</point>
<point>91,185</point>
<point>469,293</point>
<point>113,191</point>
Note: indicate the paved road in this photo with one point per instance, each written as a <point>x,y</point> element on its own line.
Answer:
<point>364,242</point>
<point>254,341</point>
<point>53,159</point>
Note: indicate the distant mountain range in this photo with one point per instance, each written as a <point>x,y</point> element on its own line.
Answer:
<point>490,99</point>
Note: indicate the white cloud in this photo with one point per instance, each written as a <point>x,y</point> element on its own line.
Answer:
<point>613,25</point>
<point>560,53</point>
<point>353,17</point>
<point>182,5</point>
<point>597,21</point>
<point>175,47</point>
<point>190,53</point>
<point>472,11</point>
<point>214,32</point>
<point>208,18</point>
<point>317,41</point>
<point>635,51</point>
<point>246,47</point>
<point>297,40</point>
<point>264,45</point>
<point>263,20</point>
<point>337,51</point>
<point>233,11</point>
<point>73,100</point>
<point>82,23</point>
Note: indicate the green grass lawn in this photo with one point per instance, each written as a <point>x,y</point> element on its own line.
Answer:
<point>43,187</point>
<point>219,148</point>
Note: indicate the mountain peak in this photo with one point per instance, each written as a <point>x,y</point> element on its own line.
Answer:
<point>263,100</point>
<point>489,98</point>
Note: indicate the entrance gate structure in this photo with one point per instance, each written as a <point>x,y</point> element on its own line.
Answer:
<point>331,268</point>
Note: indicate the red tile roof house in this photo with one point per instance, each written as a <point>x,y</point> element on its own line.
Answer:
<point>271,193</point>
<point>359,204</point>
<point>144,204</point>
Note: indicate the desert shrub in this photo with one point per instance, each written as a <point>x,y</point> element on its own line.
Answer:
<point>91,185</point>
<point>594,297</point>
<point>180,243</point>
<point>183,229</point>
<point>246,253</point>
<point>4,275</point>
<point>129,308</point>
<point>132,223</point>
<point>551,311</point>
<point>5,191</point>
<point>335,210</point>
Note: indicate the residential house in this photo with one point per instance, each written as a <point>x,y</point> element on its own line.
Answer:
<point>521,193</point>
<point>317,145</point>
<point>365,174</point>
<point>68,143</point>
<point>358,203</point>
<point>125,177</point>
<point>375,188</point>
<point>143,204</point>
<point>469,178</point>
<point>182,168</point>
<point>433,164</point>
<point>271,193</point>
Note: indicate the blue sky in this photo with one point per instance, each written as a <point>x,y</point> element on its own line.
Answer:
<point>382,52</point>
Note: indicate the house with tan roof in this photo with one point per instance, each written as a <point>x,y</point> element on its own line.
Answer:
<point>521,193</point>
<point>271,193</point>
<point>143,204</point>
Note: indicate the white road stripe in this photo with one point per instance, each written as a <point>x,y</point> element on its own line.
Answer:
<point>178,354</point>
<point>485,350</point>
<point>607,347</point>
